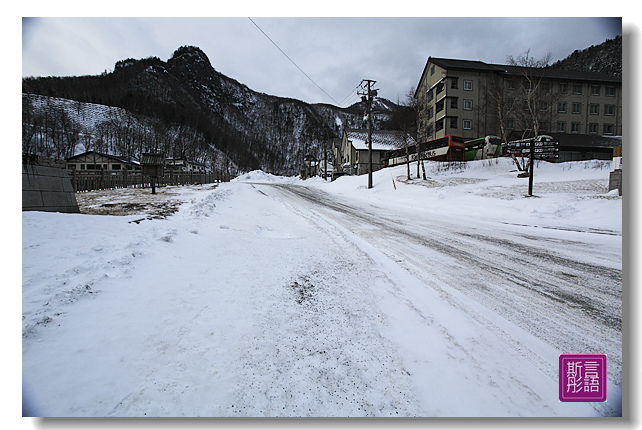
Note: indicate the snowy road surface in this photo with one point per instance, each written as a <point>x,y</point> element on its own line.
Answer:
<point>276,299</point>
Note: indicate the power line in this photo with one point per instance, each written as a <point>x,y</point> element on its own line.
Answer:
<point>292,61</point>
<point>352,93</point>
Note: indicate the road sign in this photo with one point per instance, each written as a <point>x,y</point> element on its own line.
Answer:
<point>522,144</point>
<point>536,150</point>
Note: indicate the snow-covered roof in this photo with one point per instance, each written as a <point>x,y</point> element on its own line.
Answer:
<point>100,154</point>
<point>382,140</point>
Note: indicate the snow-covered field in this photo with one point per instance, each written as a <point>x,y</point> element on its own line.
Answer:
<point>272,296</point>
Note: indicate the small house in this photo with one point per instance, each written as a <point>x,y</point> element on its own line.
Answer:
<point>181,165</point>
<point>354,149</point>
<point>93,161</point>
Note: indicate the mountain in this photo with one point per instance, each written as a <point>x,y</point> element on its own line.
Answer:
<point>603,58</point>
<point>210,112</point>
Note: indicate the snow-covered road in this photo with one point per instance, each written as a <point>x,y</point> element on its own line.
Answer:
<point>276,299</point>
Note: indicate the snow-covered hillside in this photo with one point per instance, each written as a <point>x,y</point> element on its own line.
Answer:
<point>272,296</point>
<point>60,128</point>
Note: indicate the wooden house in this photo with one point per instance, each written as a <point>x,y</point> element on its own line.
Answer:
<point>354,159</point>
<point>93,161</point>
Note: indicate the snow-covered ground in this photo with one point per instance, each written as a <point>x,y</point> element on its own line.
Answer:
<point>272,296</point>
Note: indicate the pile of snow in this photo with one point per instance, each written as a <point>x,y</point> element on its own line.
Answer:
<point>572,194</point>
<point>260,176</point>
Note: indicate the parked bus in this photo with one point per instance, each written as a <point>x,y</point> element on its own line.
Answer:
<point>482,148</point>
<point>447,148</point>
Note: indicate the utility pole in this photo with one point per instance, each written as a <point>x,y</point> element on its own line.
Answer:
<point>367,97</point>
<point>325,156</point>
<point>530,173</point>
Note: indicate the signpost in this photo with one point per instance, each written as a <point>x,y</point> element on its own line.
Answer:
<point>538,148</point>
<point>154,167</point>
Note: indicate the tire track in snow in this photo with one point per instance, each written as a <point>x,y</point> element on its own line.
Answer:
<point>561,316</point>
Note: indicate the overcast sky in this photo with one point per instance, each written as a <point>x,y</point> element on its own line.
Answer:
<point>335,53</point>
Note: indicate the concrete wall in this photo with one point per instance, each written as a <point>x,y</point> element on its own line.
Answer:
<point>46,186</point>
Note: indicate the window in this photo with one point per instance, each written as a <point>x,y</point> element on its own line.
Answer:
<point>609,91</point>
<point>453,83</point>
<point>594,128</point>
<point>115,167</point>
<point>595,90</point>
<point>561,107</point>
<point>545,87</point>
<point>543,106</point>
<point>577,108</point>
<point>468,85</point>
<point>430,112</point>
<point>545,126</point>
<point>453,103</point>
<point>432,70</point>
<point>562,87</point>
<point>440,106</point>
<point>594,109</point>
<point>608,129</point>
<point>510,103</point>
<point>439,125</point>
<point>609,110</point>
<point>511,124</point>
<point>468,104</point>
<point>71,167</point>
<point>575,127</point>
<point>561,127</point>
<point>82,167</point>
<point>440,87</point>
<point>430,96</point>
<point>453,122</point>
<point>510,84</point>
<point>577,88</point>
<point>467,124</point>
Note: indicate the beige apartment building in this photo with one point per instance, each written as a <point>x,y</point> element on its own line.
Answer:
<point>474,99</point>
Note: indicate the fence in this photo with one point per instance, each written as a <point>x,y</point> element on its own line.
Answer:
<point>104,180</point>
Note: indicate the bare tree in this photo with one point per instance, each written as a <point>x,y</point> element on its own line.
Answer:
<point>500,105</point>
<point>533,90</point>
<point>533,101</point>
<point>405,120</point>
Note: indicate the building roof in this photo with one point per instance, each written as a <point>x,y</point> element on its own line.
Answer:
<point>113,157</point>
<point>548,72</point>
<point>382,140</point>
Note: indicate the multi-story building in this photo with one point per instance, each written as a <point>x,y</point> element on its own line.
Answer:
<point>474,99</point>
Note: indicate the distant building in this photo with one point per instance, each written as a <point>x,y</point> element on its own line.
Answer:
<point>92,161</point>
<point>180,165</point>
<point>353,155</point>
<point>465,97</point>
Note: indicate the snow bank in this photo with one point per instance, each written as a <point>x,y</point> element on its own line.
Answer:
<point>260,176</point>
<point>569,195</point>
